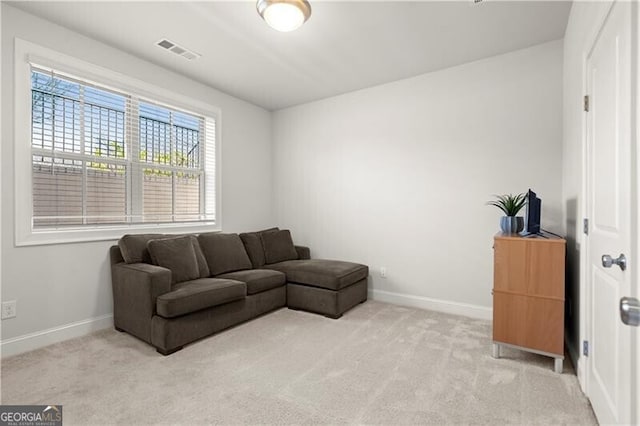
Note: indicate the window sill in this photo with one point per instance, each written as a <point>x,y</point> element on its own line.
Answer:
<point>70,236</point>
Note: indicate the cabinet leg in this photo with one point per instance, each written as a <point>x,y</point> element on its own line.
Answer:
<point>557,365</point>
<point>495,350</point>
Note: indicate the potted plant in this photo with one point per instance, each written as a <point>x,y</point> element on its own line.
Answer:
<point>510,204</point>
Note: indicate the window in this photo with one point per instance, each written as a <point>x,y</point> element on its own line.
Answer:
<point>104,157</point>
<point>108,154</point>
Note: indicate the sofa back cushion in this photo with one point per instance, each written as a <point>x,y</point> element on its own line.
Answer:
<point>203,266</point>
<point>224,252</point>
<point>176,254</point>
<point>134,247</point>
<point>253,245</point>
<point>278,246</point>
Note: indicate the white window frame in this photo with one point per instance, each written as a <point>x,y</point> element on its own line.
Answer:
<point>27,53</point>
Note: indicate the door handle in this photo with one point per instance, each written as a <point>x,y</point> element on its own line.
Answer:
<point>608,261</point>
<point>630,311</point>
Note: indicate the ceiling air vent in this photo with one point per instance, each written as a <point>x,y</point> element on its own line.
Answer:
<point>178,50</point>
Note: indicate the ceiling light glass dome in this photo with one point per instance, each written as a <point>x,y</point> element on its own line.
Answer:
<point>284,15</point>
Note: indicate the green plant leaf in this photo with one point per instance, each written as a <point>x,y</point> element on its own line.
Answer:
<point>510,204</point>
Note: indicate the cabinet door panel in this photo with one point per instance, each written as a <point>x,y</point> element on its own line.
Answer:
<point>530,322</point>
<point>510,269</point>
<point>546,269</point>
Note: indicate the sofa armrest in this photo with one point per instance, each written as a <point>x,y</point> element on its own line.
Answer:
<point>303,252</point>
<point>136,287</point>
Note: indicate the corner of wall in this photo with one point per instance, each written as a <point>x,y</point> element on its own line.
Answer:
<point>1,206</point>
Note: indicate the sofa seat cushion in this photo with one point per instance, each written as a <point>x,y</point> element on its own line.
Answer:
<point>329,274</point>
<point>191,296</point>
<point>257,280</point>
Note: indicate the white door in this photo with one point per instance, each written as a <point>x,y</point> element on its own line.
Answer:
<point>635,401</point>
<point>608,209</point>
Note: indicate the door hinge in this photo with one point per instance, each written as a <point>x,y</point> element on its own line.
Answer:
<point>586,103</point>
<point>585,226</point>
<point>585,347</point>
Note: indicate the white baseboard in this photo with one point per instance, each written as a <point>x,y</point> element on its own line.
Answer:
<point>39,339</point>
<point>446,306</point>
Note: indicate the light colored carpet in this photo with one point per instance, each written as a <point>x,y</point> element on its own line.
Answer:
<point>378,364</point>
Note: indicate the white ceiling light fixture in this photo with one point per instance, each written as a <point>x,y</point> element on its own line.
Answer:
<point>284,15</point>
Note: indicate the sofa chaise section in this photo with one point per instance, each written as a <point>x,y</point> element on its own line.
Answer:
<point>327,287</point>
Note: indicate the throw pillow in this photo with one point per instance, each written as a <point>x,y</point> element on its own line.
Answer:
<point>224,252</point>
<point>253,245</point>
<point>176,254</point>
<point>278,246</point>
<point>134,247</point>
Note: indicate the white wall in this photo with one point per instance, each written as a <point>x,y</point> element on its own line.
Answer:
<point>58,285</point>
<point>398,175</point>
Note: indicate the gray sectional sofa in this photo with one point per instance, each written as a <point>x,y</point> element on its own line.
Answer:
<point>170,290</point>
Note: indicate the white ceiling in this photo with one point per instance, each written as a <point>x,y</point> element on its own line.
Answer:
<point>343,47</point>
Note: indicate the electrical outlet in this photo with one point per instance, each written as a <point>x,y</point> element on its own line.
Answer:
<point>383,272</point>
<point>9,309</point>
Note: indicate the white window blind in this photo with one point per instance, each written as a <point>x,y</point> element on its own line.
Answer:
<point>101,157</point>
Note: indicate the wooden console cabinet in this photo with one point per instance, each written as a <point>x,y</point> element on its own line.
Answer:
<point>528,295</point>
